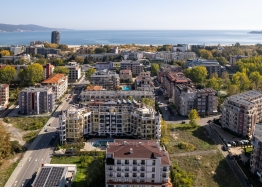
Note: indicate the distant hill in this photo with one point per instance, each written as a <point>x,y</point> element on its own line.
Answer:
<point>255,32</point>
<point>24,28</point>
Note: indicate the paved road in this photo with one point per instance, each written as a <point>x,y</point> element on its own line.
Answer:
<point>41,149</point>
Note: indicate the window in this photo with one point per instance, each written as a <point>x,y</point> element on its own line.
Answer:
<point>153,162</point>
<point>153,175</point>
<point>153,169</point>
<point>118,161</point>
<point>126,161</point>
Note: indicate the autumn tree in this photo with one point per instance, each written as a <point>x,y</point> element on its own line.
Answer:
<point>205,54</point>
<point>197,74</point>
<point>225,79</point>
<point>256,79</point>
<point>213,83</point>
<point>51,45</point>
<point>7,74</point>
<point>90,72</point>
<point>193,118</point>
<point>5,53</point>
<point>32,74</point>
<point>80,60</point>
<point>154,69</point>
<point>61,69</point>
<point>148,101</point>
<point>233,90</point>
<point>241,80</point>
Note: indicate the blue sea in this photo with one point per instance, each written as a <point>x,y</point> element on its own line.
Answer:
<point>140,37</point>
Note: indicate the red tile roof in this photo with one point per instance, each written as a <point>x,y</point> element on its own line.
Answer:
<point>141,149</point>
<point>53,79</point>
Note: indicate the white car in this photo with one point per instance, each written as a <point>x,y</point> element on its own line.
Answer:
<point>165,108</point>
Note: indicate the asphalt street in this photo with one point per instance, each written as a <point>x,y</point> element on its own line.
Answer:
<point>41,149</point>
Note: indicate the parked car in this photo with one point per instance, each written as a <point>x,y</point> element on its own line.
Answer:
<point>165,108</point>
<point>46,130</point>
<point>224,148</point>
<point>233,143</point>
<point>230,156</point>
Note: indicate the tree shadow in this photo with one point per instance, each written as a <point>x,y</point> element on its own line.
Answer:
<point>224,175</point>
<point>203,134</point>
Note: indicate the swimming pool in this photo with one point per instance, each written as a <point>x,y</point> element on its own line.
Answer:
<point>126,88</point>
<point>101,143</point>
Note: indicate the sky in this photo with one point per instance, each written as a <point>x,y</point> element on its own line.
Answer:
<point>135,14</point>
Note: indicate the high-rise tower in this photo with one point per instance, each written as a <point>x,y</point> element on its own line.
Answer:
<point>55,37</point>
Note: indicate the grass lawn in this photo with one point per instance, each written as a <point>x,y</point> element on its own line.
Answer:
<point>197,138</point>
<point>80,178</point>
<point>208,170</point>
<point>27,123</point>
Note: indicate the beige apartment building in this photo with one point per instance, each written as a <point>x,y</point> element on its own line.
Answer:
<point>135,66</point>
<point>109,80</point>
<point>125,75</point>
<point>58,82</point>
<point>137,163</point>
<point>4,96</point>
<point>112,118</point>
<point>144,82</point>
<point>241,112</point>
<point>256,155</point>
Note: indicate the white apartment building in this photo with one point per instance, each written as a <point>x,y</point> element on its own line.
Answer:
<point>110,118</point>
<point>58,82</point>
<point>169,56</point>
<point>144,82</point>
<point>74,71</point>
<point>4,96</point>
<point>104,95</point>
<point>241,112</point>
<point>182,48</point>
<point>138,163</point>
<point>256,155</point>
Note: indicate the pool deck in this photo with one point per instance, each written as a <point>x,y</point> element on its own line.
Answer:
<point>88,145</point>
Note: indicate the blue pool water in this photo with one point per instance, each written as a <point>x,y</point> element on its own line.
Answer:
<point>126,88</point>
<point>100,143</point>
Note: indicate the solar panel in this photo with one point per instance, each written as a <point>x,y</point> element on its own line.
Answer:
<point>41,178</point>
<point>54,177</point>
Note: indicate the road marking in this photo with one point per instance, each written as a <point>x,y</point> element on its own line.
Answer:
<point>15,183</point>
<point>36,160</point>
<point>29,159</point>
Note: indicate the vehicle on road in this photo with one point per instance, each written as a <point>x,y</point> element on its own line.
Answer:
<point>230,156</point>
<point>46,130</point>
<point>165,108</point>
<point>224,148</point>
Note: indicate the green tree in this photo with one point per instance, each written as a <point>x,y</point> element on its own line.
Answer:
<point>100,50</point>
<point>41,61</point>
<point>205,54</point>
<point>225,79</point>
<point>90,72</point>
<point>7,74</point>
<point>213,82</point>
<point>61,69</point>
<point>255,79</point>
<point>148,101</point>
<point>232,90</point>
<point>193,118</point>
<point>241,80</point>
<point>80,60</point>
<point>32,74</point>
<point>197,74</point>
<point>221,60</point>
<point>154,69</point>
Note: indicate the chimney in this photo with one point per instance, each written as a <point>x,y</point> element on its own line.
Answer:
<point>131,150</point>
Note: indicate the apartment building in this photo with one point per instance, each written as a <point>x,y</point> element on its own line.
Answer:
<point>241,112</point>
<point>135,66</point>
<point>187,97</point>
<point>181,48</point>
<point>184,98</point>
<point>4,96</point>
<point>74,71</point>
<point>104,95</point>
<point>137,163</point>
<point>110,118</point>
<point>41,50</point>
<point>33,101</point>
<point>144,82</point>
<point>171,79</point>
<point>59,84</point>
<point>235,58</point>
<point>212,66</point>
<point>48,70</point>
<point>256,155</point>
<point>125,75</point>
<point>206,101</point>
<point>169,56</point>
<point>109,80</point>
<point>103,65</point>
